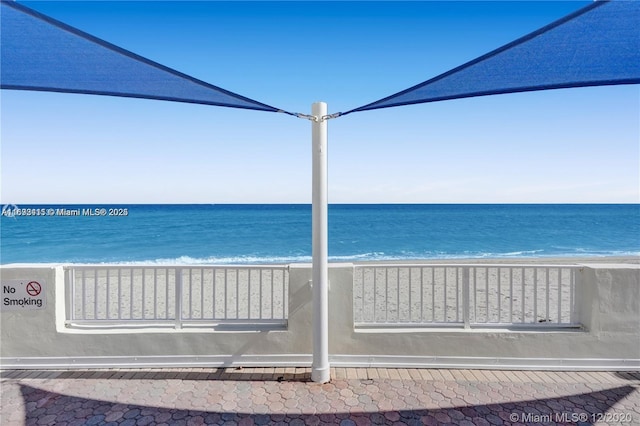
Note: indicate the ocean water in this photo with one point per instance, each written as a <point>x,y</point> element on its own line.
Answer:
<point>208,234</point>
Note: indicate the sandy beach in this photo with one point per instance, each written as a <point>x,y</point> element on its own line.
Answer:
<point>208,293</point>
<point>410,292</point>
<point>436,294</point>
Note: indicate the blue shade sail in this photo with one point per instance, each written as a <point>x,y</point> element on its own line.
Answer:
<point>42,54</point>
<point>596,46</point>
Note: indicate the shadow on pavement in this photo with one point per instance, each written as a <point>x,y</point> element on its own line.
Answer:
<point>44,407</point>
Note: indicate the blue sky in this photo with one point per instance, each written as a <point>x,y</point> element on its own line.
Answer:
<point>558,146</point>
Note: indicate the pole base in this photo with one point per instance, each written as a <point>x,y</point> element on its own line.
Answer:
<point>320,375</point>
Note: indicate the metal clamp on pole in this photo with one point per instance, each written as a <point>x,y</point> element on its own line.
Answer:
<point>330,116</point>
<point>307,116</point>
<point>320,371</point>
<point>317,118</point>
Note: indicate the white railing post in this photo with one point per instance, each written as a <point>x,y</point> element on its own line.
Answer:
<point>575,279</point>
<point>70,296</point>
<point>178,294</point>
<point>320,371</point>
<point>465,297</point>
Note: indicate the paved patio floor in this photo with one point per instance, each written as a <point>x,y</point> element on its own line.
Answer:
<point>286,396</point>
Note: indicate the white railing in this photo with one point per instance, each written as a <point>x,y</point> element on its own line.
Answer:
<point>470,295</point>
<point>177,296</point>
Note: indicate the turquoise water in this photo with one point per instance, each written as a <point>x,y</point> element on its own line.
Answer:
<point>282,233</point>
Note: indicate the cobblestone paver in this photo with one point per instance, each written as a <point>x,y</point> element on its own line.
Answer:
<point>266,396</point>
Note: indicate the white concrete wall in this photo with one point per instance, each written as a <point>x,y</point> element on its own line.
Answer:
<point>609,309</point>
<point>38,338</point>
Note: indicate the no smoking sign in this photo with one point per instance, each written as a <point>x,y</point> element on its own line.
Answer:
<point>34,288</point>
<point>22,295</point>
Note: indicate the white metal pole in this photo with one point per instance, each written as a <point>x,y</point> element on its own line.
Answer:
<point>320,371</point>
